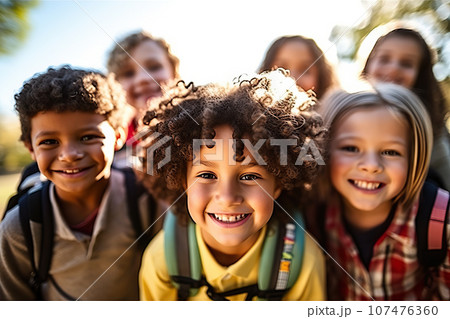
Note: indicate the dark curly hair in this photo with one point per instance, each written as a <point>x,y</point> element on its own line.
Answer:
<point>426,85</point>
<point>327,76</point>
<point>67,89</point>
<point>267,106</point>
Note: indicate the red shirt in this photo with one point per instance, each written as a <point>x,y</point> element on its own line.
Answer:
<point>87,225</point>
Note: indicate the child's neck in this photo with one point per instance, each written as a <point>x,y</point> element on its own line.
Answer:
<point>228,255</point>
<point>365,220</point>
<point>75,208</point>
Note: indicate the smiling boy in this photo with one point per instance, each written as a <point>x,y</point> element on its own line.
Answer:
<point>227,191</point>
<point>71,121</point>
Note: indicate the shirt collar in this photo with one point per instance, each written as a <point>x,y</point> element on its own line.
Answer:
<point>61,227</point>
<point>242,268</point>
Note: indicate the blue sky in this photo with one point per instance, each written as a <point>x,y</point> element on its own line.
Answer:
<point>215,40</point>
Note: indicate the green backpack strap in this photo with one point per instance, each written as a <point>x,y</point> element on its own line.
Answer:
<point>281,256</point>
<point>182,256</point>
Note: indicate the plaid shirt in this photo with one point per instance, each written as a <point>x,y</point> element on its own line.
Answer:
<point>394,270</point>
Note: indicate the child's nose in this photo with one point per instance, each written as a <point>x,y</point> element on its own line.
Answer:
<point>142,76</point>
<point>70,153</point>
<point>228,194</point>
<point>393,68</point>
<point>370,162</point>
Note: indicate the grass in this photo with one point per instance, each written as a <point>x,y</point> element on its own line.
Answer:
<point>8,185</point>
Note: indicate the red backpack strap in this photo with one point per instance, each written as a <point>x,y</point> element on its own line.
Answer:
<point>438,220</point>
<point>431,225</point>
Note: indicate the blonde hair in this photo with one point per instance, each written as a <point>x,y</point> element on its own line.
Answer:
<point>400,100</point>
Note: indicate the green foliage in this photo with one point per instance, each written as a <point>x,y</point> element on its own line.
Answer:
<point>13,154</point>
<point>14,23</point>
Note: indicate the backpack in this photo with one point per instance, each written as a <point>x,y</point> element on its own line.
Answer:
<point>30,177</point>
<point>280,264</point>
<point>35,206</point>
<point>431,221</point>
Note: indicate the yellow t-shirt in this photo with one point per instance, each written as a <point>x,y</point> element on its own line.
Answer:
<point>155,283</point>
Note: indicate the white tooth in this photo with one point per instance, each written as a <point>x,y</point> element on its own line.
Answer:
<point>364,185</point>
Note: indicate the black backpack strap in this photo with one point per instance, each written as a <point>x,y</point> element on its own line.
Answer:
<point>431,221</point>
<point>30,177</point>
<point>48,234</point>
<point>251,290</point>
<point>35,206</point>
<point>134,191</point>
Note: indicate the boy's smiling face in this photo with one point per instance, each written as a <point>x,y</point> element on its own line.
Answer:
<point>74,150</point>
<point>229,202</point>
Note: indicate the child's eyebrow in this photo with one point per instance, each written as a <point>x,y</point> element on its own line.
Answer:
<point>207,163</point>
<point>45,133</point>
<point>351,137</point>
<point>80,130</point>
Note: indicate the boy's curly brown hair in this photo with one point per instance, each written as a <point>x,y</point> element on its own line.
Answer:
<point>267,106</point>
<point>67,89</point>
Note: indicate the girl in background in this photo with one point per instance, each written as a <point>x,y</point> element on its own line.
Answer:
<point>305,61</point>
<point>403,57</point>
<point>142,64</point>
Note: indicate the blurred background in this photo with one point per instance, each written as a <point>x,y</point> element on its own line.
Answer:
<point>214,40</point>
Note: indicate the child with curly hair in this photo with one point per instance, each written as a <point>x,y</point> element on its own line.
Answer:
<point>238,162</point>
<point>380,209</point>
<point>305,61</point>
<point>402,56</point>
<point>72,123</point>
<point>143,65</point>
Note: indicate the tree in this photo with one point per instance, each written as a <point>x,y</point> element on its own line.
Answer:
<point>14,23</point>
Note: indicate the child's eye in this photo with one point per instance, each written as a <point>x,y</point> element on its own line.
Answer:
<point>352,149</point>
<point>154,67</point>
<point>391,153</point>
<point>127,74</point>
<point>406,64</point>
<point>207,176</point>
<point>89,137</point>
<point>383,58</point>
<point>48,142</point>
<point>250,177</point>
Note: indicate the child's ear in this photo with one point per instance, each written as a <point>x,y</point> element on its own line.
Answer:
<point>30,149</point>
<point>277,192</point>
<point>121,138</point>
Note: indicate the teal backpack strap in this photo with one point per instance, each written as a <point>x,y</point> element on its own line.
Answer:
<point>182,256</point>
<point>281,258</point>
